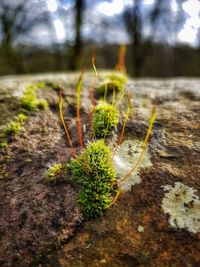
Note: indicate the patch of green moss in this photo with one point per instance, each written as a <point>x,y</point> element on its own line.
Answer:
<point>96,185</point>
<point>56,173</point>
<point>21,118</point>
<point>30,102</point>
<point>117,76</point>
<point>3,144</point>
<point>3,174</point>
<point>42,104</point>
<point>105,117</point>
<point>15,125</point>
<point>109,85</point>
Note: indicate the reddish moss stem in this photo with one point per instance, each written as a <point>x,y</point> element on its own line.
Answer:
<point>123,128</point>
<point>121,59</point>
<point>92,94</point>
<point>78,92</point>
<point>64,125</point>
<point>152,118</point>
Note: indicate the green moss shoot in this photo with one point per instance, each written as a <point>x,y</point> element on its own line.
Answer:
<point>15,125</point>
<point>96,186</point>
<point>30,102</point>
<point>117,76</point>
<point>3,144</point>
<point>105,117</point>
<point>56,174</point>
<point>110,85</point>
<point>42,104</point>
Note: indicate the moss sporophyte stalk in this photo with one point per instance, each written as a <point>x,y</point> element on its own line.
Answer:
<point>93,169</point>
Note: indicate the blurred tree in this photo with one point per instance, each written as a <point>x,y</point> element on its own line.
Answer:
<point>16,20</point>
<point>77,49</point>
<point>133,21</point>
<point>162,18</point>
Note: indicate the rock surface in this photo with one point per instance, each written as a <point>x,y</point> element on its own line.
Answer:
<point>136,231</point>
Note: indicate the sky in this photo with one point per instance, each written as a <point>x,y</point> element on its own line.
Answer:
<point>110,11</point>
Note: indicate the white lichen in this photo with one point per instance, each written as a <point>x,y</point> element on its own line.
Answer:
<point>125,157</point>
<point>183,206</point>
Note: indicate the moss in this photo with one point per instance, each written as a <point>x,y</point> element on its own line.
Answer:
<point>104,119</point>
<point>114,80</point>
<point>117,76</point>
<point>42,104</point>
<point>22,118</point>
<point>96,185</point>
<point>15,125</point>
<point>3,174</point>
<point>30,102</point>
<point>56,174</point>
<point>109,85</point>
<point>3,144</point>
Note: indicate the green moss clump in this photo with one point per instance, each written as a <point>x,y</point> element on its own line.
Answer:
<point>12,128</point>
<point>56,174</point>
<point>117,76</point>
<point>3,144</point>
<point>15,125</point>
<point>42,104</point>
<point>109,85</point>
<point>114,80</point>
<point>104,119</point>
<point>30,102</point>
<point>96,186</point>
<point>21,118</point>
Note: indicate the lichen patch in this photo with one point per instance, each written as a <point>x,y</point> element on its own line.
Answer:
<point>183,206</point>
<point>125,157</point>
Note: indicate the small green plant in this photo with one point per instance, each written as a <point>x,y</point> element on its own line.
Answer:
<point>3,144</point>
<point>105,117</point>
<point>42,104</point>
<point>56,173</point>
<point>22,118</point>
<point>117,76</point>
<point>109,86</point>
<point>29,100</point>
<point>15,125</point>
<point>97,185</point>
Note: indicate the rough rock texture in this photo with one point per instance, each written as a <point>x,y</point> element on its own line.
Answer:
<point>133,232</point>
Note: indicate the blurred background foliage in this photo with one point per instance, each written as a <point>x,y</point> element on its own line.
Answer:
<point>162,36</point>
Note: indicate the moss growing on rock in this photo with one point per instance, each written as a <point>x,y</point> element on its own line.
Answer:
<point>56,173</point>
<point>15,125</point>
<point>112,81</point>
<point>104,119</point>
<point>42,104</point>
<point>117,76</point>
<point>96,185</point>
<point>30,102</point>
<point>3,144</point>
<point>109,85</point>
